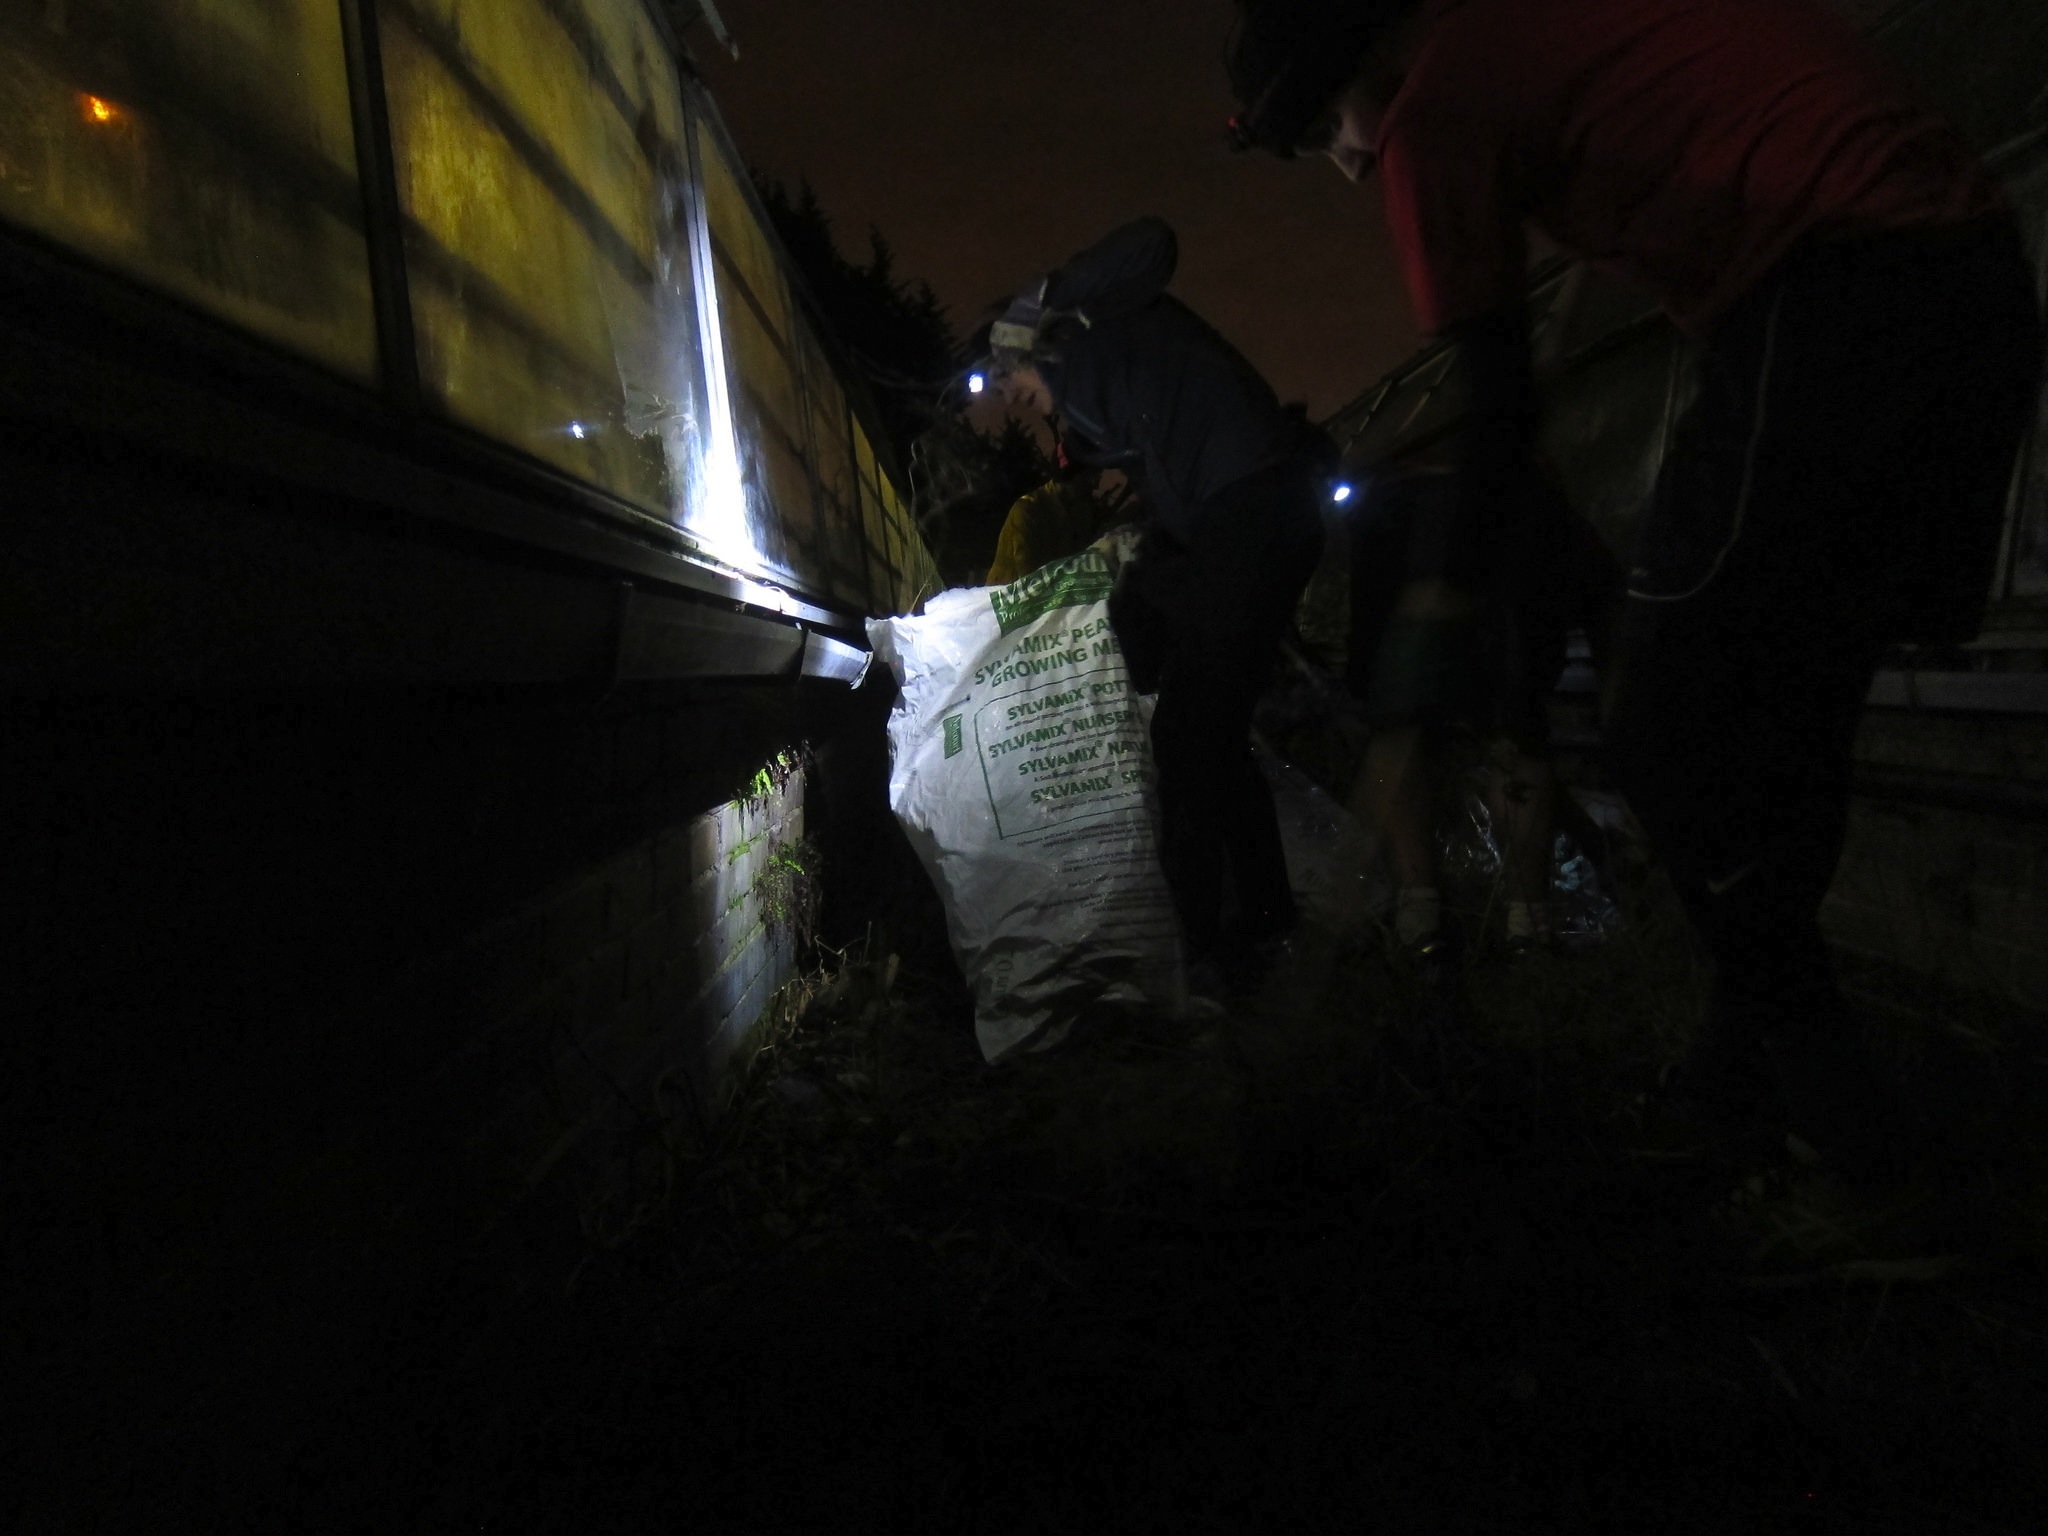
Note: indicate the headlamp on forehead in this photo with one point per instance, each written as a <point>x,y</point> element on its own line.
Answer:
<point>1013,339</point>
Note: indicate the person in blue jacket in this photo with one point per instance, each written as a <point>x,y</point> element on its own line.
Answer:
<point>1233,484</point>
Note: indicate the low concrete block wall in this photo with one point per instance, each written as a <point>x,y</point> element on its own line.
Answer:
<point>331,1013</point>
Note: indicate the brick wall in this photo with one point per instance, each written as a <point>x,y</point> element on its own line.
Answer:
<point>329,1015</point>
<point>612,999</point>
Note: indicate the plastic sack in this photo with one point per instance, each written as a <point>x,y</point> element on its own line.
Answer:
<point>1021,768</point>
<point>1582,913</point>
<point>1336,865</point>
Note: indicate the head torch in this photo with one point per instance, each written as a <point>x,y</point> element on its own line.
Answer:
<point>1013,339</point>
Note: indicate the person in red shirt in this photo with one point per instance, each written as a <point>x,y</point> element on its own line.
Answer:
<point>1869,344</point>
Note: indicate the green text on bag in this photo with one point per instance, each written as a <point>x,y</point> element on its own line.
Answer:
<point>1082,578</point>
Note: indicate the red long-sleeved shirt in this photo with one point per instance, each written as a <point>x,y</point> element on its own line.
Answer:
<point>1685,145</point>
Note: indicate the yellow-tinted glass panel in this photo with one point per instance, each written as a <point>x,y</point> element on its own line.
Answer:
<point>898,553</point>
<point>580,87</point>
<point>871,514</point>
<point>541,163</point>
<point>781,474</point>
<point>769,421</point>
<point>203,146</point>
<point>739,233</point>
<point>832,449</point>
<point>760,361</point>
<point>830,439</point>
<point>882,571</point>
<point>902,536</point>
<point>863,454</point>
<point>766,351</point>
<point>880,575</point>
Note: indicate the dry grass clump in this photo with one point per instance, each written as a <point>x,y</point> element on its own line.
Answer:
<point>1282,1271</point>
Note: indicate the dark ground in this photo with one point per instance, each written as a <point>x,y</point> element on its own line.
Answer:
<point>1270,1280</point>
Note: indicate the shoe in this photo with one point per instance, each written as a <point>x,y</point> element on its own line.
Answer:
<point>1526,930</point>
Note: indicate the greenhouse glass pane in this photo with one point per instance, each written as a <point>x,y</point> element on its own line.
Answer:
<point>204,147</point>
<point>765,358</point>
<point>543,174</point>
<point>833,459</point>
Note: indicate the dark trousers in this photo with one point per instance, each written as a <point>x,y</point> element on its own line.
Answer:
<point>1838,487</point>
<point>1200,620</point>
<point>1495,670</point>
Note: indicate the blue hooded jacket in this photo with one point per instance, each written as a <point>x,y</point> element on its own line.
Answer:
<point>1152,385</point>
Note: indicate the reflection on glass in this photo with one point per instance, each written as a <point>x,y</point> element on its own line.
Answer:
<point>202,146</point>
<point>763,372</point>
<point>544,179</point>
<point>819,508</point>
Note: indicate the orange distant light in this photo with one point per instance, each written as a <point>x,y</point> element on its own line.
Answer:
<point>101,111</point>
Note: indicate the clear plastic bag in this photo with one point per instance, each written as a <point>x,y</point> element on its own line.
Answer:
<point>1334,862</point>
<point>1582,912</point>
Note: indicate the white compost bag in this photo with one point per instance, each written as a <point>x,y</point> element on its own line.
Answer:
<point>1022,771</point>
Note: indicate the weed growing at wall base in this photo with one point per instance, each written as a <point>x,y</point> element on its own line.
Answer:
<point>789,886</point>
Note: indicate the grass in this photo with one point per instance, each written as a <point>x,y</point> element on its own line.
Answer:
<point>1271,1276</point>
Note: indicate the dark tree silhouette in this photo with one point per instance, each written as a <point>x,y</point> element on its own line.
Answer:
<point>896,331</point>
<point>897,334</point>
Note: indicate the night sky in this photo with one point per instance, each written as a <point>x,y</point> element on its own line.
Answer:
<point>989,140</point>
